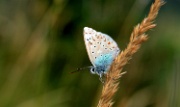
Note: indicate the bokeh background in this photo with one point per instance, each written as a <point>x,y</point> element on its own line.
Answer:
<point>41,42</point>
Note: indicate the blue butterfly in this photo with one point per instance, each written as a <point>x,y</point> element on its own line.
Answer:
<point>101,49</point>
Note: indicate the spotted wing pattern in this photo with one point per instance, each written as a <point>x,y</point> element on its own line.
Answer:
<point>98,44</point>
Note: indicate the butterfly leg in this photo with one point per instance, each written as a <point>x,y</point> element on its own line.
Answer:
<point>101,78</point>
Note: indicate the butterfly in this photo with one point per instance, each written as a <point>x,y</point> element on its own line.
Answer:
<point>101,49</point>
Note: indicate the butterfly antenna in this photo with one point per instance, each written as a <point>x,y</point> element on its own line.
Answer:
<point>80,69</point>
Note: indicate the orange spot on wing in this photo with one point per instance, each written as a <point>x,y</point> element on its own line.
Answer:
<point>90,43</point>
<point>93,39</point>
<point>109,43</point>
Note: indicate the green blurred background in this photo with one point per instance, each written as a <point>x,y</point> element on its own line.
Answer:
<point>41,42</point>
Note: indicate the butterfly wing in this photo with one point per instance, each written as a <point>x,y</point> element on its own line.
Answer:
<point>98,44</point>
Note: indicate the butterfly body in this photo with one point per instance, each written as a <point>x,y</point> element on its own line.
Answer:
<point>101,49</point>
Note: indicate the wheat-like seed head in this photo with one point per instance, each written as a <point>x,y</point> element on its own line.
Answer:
<point>137,37</point>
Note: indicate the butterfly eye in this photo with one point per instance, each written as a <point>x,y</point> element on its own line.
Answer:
<point>92,69</point>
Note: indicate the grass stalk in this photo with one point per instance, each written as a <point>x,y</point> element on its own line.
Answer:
<point>137,37</point>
